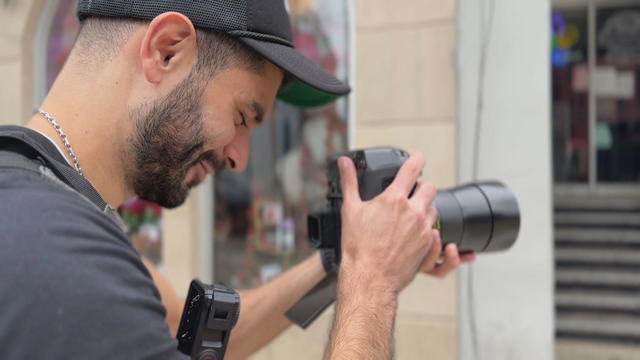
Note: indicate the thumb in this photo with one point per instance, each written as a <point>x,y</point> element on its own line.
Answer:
<point>348,179</point>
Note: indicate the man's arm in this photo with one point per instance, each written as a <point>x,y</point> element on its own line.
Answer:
<point>172,303</point>
<point>262,309</point>
<point>363,322</point>
<point>261,316</point>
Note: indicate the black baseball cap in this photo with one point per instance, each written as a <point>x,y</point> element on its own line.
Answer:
<point>263,25</point>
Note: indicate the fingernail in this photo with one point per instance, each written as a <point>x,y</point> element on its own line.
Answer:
<point>343,163</point>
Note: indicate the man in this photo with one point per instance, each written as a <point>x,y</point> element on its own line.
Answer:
<point>155,96</point>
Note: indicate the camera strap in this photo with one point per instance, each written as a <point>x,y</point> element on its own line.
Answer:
<point>22,148</point>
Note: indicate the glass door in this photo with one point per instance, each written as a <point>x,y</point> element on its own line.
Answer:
<point>596,102</point>
<point>570,106</point>
<point>617,98</point>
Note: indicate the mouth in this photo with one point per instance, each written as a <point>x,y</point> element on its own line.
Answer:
<point>208,168</point>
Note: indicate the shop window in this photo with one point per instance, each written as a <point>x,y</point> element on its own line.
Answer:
<point>609,85</point>
<point>260,215</point>
<point>570,95</point>
<point>618,99</point>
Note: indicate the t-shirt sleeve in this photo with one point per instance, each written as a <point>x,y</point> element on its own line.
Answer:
<point>71,286</point>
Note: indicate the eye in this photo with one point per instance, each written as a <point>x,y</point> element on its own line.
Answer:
<point>244,121</point>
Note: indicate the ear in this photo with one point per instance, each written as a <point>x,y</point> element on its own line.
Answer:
<point>168,47</point>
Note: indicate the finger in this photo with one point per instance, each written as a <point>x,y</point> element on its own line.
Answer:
<point>429,262</point>
<point>451,261</point>
<point>408,174</point>
<point>348,179</point>
<point>432,217</point>
<point>424,194</point>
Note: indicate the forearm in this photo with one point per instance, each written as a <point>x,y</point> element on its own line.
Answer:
<point>363,324</point>
<point>262,309</point>
<point>172,303</point>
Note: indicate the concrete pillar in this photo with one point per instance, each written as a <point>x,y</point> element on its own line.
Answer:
<point>512,291</point>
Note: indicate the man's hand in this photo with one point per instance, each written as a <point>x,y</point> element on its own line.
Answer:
<point>386,239</point>
<point>440,263</point>
<point>384,242</point>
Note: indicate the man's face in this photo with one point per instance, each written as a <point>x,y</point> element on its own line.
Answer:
<point>199,128</point>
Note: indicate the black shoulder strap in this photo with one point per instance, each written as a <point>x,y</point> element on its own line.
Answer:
<point>33,146</point>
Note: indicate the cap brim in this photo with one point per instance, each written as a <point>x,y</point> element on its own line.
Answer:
<point>313,85</point>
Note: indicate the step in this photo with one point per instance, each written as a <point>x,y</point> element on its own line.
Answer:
<point>608,325</point>
<point>598,277</point>
<point>620,236</point>
<point>597,217</point>
<point>595,203</point>
<point>597,256</point>
<point>599,300</point>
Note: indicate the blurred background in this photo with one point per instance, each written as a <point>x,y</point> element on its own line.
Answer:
<point>542,95</point>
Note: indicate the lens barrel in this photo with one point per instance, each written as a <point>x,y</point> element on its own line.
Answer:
<point>480,217</point>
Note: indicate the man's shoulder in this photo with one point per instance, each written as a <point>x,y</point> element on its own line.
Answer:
<point>41,216</point>
<point>69,279</point>
<point>39,201</point>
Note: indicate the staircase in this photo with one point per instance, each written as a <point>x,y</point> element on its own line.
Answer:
<point>597,257</point>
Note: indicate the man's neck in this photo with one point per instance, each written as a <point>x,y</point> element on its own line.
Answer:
<point>93,126</point>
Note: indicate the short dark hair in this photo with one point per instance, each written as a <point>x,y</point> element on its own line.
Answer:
<point>105,37</point>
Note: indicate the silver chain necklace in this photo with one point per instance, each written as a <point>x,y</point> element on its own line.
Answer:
<point>64,139</point>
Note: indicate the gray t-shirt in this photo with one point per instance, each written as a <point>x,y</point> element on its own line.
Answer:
<point>71,284</point>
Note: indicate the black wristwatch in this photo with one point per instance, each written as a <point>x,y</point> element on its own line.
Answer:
<point>329,260</point>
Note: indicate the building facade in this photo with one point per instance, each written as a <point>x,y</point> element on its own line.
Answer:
<point>406,61</point>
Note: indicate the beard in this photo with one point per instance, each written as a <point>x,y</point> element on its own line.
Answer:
<point>167,141</point>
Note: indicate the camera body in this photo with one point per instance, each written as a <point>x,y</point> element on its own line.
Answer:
<point>376,168</point>
<point>210,312</point>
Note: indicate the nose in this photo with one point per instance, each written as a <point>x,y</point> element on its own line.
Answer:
<point>236,153</point>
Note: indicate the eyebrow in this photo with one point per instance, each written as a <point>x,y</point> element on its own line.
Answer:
<point>259,110</point>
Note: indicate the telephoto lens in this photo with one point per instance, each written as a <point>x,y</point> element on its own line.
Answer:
<point>480,217</point>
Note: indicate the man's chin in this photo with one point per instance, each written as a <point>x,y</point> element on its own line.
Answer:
<point>170,200</point>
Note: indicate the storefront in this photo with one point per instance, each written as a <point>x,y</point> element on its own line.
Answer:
<point>596,146</point>
<point>596,107</point>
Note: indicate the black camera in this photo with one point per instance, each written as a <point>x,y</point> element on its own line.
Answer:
<point>480,217</point>
<point>210,312</point>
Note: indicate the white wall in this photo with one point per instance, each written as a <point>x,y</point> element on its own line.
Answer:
<point>513,291</point>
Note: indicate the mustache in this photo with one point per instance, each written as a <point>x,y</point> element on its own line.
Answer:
<point>216,162</point>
